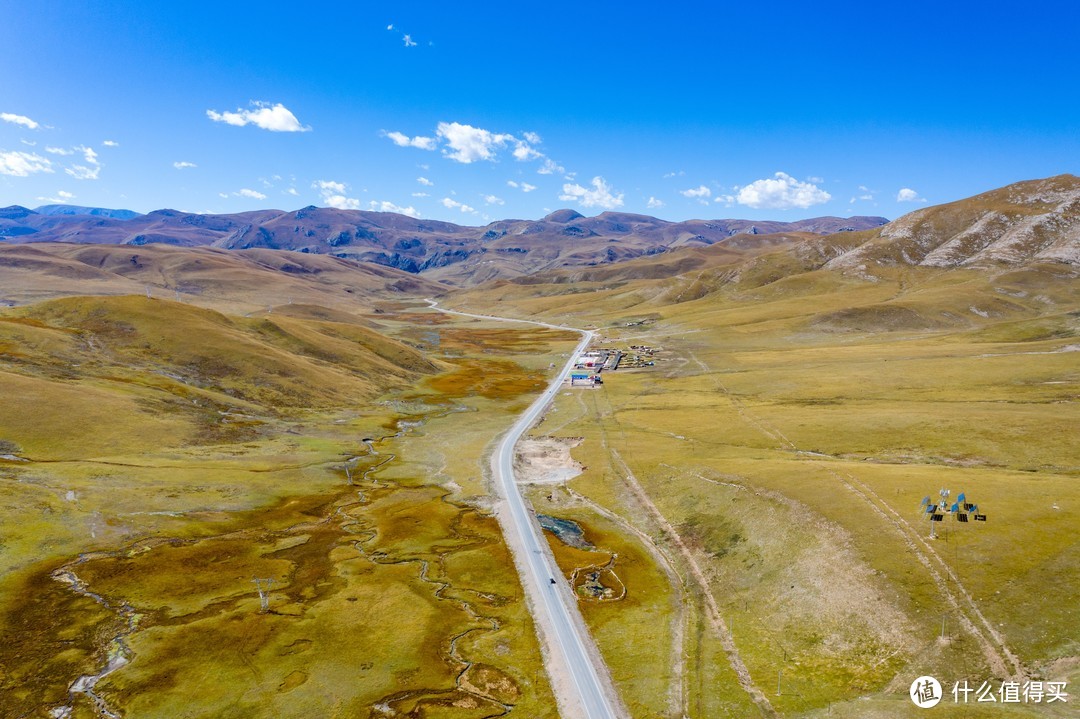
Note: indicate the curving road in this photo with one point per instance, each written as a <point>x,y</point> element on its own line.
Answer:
<point>591,693</point>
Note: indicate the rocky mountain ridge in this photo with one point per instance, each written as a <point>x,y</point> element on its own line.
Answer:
<point>446,251</point>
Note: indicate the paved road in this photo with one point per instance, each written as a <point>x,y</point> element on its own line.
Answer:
<point>554,604</point>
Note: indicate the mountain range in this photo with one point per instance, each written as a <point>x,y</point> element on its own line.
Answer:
<point>444,251</point>
<point>1027,222</point>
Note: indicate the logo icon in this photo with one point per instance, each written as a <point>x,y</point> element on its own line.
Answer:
<point>925,692</point>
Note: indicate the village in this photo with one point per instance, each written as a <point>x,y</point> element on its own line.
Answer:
<point>591,363</point>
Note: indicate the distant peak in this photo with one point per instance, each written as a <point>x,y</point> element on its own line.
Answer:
<point>88,211</point>
<point>15,212</point>
<point>563,216</point>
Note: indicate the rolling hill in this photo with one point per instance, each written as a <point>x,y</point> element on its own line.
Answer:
<point>233,281</point>
<point>444,251</point>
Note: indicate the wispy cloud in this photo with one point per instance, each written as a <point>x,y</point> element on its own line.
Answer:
<point>58,150</point>
<point>275,118</point>
<point>184,165</point>
<point>601,195</point>
<point>111,143</point>
<point>700,193</point>
<point>333,195</point>
<point>781,192</point>
<point>425,182</point>
<point>451,204</point>
<point>385,206</point>
<point>523,186</point>
<point>550,167</point>
<point>654,204</point>
<point>62,198</point>
<point>19,120</point>
<point>494,200</point>
<point>669,175</point>
<point>250,194</point>
<point>906,194</point>
<point>402,140</point>
<point>90,170</point>
<point>407,40</point>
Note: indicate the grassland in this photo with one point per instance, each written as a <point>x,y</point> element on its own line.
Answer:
<point>761,484</point>
<point>161,457</point>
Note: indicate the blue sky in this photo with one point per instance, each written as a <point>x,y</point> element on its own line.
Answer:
<point>475,111</point>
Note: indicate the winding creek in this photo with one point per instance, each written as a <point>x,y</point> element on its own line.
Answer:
<point>116,653</point>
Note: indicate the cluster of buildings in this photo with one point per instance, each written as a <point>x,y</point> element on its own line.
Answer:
<point>588,366</point>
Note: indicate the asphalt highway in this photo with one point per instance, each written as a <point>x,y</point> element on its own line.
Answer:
<point>555,607</point>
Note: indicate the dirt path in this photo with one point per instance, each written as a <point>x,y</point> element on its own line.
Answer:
<point>1003,662</point>
<point>727,641</point>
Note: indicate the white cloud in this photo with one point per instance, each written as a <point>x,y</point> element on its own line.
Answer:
<point>409,42</point>
<point>468,144</point>
<point>89,154</point>
<point>523,151</point>
<point>526,187</point>
<point>391,207</point>
<point>816,180</point>
<point>292,191</point>
<point>183,165</point>
<point>333,195</point>
<point>781,192</point>
<point>250,194</point>
<point>697,192</point>
<point>81,172</point>
<point>728,200</point>
<point>58,150</point>
<point>906,194</point>
<point>550,167</point>
<point>601,195</point>
<point>654,204</point>
<point>493,200</point>
<point>19,120</point>
<point>224,195</point>
<point>669,175</point>
<point>420,194</point>
<point>390,26</point>
<point>402,140</point>
<point>511,183</point>
<point>275,118</point>
<point>455,205</point>
<point>28,143</point>
<point>425,182</point>
<point>62,197</point>
<point>111,143</point>
<point>340,202</point>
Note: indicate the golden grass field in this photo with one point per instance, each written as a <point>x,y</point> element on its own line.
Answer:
<point>772,464</point>
<point>163,456</point>
<point>752,500</point>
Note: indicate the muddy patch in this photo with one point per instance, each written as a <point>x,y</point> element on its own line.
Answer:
<point>568,531</point>
<point>546,460</point>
